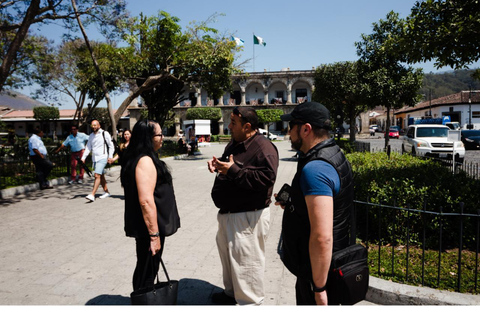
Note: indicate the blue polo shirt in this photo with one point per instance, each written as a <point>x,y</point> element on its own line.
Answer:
<point>319,178</point>
<point>76,143</point>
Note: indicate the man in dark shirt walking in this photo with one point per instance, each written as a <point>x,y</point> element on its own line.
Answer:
<point>246,173</point>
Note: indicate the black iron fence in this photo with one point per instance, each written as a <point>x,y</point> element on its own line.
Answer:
<point>16,167</point>
<point>420,247</point>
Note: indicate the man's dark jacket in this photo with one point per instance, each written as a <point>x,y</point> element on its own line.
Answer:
<point>248,184</point>
<point>296,224</point>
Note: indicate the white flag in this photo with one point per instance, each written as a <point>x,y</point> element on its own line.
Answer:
<point>258,40</point>
<point>238,41</point>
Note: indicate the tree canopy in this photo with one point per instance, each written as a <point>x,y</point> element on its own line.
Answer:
<point>444,31</point>
<point>18,16</point>
<point>386,80</point>
<point>163,59</point>
<point>338,87</point>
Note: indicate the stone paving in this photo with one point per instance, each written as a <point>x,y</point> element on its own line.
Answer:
<point>73,252</point>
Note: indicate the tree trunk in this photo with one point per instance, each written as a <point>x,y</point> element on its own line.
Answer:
<point>22,32</point>
<point>353,128</point>
<point>147,85</point>
<point>99,72</point>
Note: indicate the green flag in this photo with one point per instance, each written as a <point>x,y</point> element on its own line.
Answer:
<point>258,40</point>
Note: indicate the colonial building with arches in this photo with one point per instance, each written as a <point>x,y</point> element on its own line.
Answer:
<point>262,90</point>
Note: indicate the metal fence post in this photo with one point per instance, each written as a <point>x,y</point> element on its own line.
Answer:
<point>460,248</point>
<point>476,251</point>
<point>423,241</point>
<point>408,241</point>
<point>440,246</point>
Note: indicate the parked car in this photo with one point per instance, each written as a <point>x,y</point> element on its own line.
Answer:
<point>453,125</point>
<point>394,133</point>
<point>471,139</point>
<point>431,140</point>
<point>271,136</point>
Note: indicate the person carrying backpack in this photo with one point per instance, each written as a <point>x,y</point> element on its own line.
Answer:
<point>102,148</point>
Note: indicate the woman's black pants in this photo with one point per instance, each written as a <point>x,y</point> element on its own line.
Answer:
<point>144,275</point>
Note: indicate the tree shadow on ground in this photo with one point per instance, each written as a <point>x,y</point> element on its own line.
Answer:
<point>190,292</point>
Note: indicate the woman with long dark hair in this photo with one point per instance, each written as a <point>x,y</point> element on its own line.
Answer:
<point>150,206</point>
<point>122,147</point>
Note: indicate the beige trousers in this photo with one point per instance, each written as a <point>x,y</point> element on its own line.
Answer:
<point>241,239</point>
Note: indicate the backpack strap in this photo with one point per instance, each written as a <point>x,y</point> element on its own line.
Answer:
<point>105,143</point>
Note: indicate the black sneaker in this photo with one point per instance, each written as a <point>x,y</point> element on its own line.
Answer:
<point>221,298</point>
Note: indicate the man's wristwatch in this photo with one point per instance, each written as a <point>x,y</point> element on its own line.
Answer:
<point>156,234</point>
<point>317,289</point>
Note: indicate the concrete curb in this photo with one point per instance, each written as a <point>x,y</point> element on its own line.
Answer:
<point>383,292</point>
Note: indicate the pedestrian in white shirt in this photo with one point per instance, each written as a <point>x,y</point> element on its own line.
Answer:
<point>102,148</point>
<point>38,154</point>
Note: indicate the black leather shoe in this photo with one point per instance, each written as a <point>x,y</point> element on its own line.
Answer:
<point>221,298</point>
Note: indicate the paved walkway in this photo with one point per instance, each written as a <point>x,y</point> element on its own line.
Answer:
<point>58,249</point>
<point>70,252</point>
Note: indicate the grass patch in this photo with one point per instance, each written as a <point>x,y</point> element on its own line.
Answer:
<point>448,267</point>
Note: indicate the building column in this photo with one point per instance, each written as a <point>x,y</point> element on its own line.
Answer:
<point>199,97</point>
<point>244,95</point>
<point>177,126</point>
<point>289,95</point>
<point>220,101</point>
<point>220,126</point>
<point>265,97</point>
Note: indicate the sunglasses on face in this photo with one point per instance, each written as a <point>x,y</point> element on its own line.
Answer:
<point>237,112</point>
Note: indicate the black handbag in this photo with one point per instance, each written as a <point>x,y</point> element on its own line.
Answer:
<point>348,277</point>
<point>162,293</point>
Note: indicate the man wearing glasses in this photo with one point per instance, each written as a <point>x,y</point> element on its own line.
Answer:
<point>316,219</point>
<point>76,141</point>
<point>102,148</point>
<point>246,173</point>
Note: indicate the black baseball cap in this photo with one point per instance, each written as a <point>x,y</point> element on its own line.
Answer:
<point>309,112</point>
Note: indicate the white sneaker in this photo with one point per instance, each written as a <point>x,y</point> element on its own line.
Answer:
<point>90,197</point>
<point>80,181</point>
<point>71,181</point>
<point>105,195</point>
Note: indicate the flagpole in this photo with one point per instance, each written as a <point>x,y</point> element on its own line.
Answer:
<point>254,53</point>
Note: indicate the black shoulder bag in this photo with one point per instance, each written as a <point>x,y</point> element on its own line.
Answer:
<point>162,293</point>
<point>348,276</point>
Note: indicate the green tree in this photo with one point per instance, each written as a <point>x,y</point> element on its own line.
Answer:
<point>17,17</point>
<point>269,116</point>
<point>100,114</point>
<point>44,115</point>
<point>163,59</point>
<point>444,31</point>
<point>205,113</point>
<point>338,87</point>
<point>385,80</point>
<point>68,70</point>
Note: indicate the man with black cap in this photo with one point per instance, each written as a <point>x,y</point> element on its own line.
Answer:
<point>317,215</point>
<point>246,173</point>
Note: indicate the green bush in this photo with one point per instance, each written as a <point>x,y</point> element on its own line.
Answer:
<point>205,113</point>
<point>406,181</point>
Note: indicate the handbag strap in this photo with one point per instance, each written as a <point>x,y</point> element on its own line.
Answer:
<point>146,266</point>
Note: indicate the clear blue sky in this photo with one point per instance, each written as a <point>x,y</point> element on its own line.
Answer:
<point>299,34</point>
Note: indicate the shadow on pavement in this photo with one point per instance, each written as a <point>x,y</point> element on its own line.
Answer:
<point>190,292</point>
<point>109,300</point>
